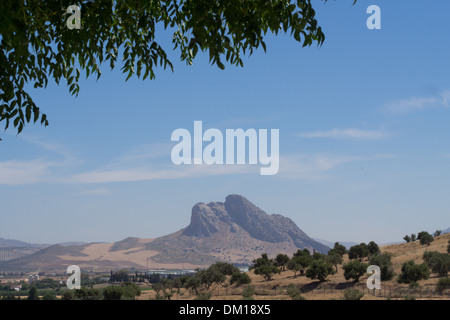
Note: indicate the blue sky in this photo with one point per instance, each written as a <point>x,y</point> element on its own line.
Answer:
<point>363,120</point>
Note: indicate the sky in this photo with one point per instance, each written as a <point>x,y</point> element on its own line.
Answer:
<point>363,137</point>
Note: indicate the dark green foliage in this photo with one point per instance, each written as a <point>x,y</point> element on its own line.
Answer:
<point>224,268</point>
<point>67,295</point>
<point>338,249</point>
<point>124,291</point>
<point>359,251</point>
<point>354,269</point>
<point>205,278</point>
<point>407,238</point>
<point>448,247</point>
<point>438,262</point>
<point>248,292</point>
<point>383,260</point>
<point>304,252</point>
<point>193,283</point>
<point>87,294</point>
<point>373,248</point>
<point>319,269</point>
<point>317,256</point>
<point>412,272</point>
<point>32,293</point>
<point>281,260</point>
<point>413,237</point>
<point>294,293</point>
<point>352,294</point>
<point>443,284</point>
<point>299,262</point>
<point>265,267</point>
<point>240,278</point>
<point>210,276</point>
<point>120,276</point>
<point>49,296</point>
<point>334,259</point>
<point>437,233</point>
<point>37,47</point>
<point>424,237</point>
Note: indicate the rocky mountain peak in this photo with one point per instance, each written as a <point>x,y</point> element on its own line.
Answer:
<point>238,212</point>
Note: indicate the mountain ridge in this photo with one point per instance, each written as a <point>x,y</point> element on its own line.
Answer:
<point>235,231</point>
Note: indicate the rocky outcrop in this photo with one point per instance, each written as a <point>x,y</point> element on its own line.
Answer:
<point>238,212</point>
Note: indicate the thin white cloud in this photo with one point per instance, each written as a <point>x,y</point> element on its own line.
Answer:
<point>316,166</point>
<point>351,133</point>
<point>53,161</point>
<point>172,172</point>
<point>17,172</point>
<point>312,167</point>
<point>405,106</point>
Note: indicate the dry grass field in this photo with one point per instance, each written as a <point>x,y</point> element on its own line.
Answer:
<point>334,286</point>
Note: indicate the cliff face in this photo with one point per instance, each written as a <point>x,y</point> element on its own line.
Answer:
<point>237,213</point>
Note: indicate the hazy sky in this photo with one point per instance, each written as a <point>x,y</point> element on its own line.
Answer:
<point>364,137</point>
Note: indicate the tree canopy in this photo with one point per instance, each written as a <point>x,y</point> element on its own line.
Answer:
<point>37,46</point>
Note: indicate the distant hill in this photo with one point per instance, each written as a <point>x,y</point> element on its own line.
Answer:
<point>446,231</point>
<point>346,244</point>
<point>11,243</point>
<point>234,231</point>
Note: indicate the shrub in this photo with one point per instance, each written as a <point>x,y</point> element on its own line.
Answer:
<point>407,238</point>
<point>240,278</point>
<point>319,269</point>
<point>443,284</point>
<point>294,293</point>
<point>359,251</point>
<point>49,296</point>
<point>281,260</point>
<point>124,291</point>
<point>248,292</point>
<point>412,272</point>
<point>67,295</point>
<point>338,249</point>
<point>32,293</point>
<point>383,260</point>
<point>352,294</point>
<point>224,268</point>
<point>354,269</point>
<point>265,267</point>
<point>299,263</point>
<point>438,262</point>
<point>373,248</point>
<point>334,259</point>
<point>424,237</point>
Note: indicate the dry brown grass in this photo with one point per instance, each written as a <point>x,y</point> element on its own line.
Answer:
<point>335,285</point>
